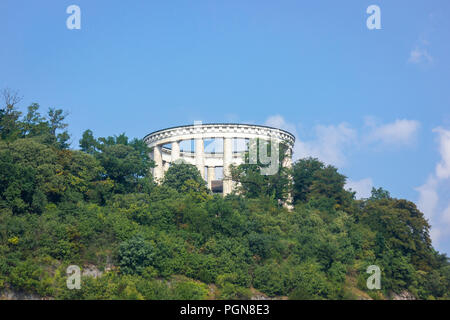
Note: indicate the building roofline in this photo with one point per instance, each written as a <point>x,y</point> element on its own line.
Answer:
<point>215,123</point>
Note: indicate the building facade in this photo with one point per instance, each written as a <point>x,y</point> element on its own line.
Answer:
<point>210,147</point>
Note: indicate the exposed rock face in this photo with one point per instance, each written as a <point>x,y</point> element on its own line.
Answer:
<point>260,297</point>
<point>13,295</point>
<point>89,270</point>
<point>404,295</point>
<point>92,271</point>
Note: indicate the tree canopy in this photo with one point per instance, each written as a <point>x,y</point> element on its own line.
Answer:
<point>98,207</point>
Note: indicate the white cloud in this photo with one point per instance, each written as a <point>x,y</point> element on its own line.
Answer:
<point>278,121</point>
<point>419,55</point>
<point>430,193</point>
<point>329,144</point>
<point>401,131</point>
<point>435,235</point>
<point>362,187</point>
<point>443,167</point>
<point>428,197</point>
<point>446,215</point>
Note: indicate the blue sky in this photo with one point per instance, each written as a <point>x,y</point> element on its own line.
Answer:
<point>374,103</point>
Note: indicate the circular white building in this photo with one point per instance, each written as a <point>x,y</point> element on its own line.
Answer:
<point>212,148</point>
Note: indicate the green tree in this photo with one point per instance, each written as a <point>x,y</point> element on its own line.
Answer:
<point>88,143</point>
<point>252,181</point>
<point>184,177</point>
<point>303,175</point>
<point>34,124</point>
<point>127,163</point>
<point>380,193</point>
<point>312,179</point>
<point>9,115</point>
<point>135,255</point>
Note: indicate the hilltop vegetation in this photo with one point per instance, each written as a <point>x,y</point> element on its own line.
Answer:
<point>99,206</point>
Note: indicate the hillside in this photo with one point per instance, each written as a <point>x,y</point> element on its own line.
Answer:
<point>99,208</point>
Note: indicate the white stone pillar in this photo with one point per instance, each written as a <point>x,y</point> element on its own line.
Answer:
<point>165,167</point>
<point>227,159</point>
<point>211,176</point>
<point>287,163</point>
<point>200,156</point>
<point>158,172</point>
<point>175,150</point>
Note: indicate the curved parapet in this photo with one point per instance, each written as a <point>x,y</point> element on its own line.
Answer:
<point>217,130</point>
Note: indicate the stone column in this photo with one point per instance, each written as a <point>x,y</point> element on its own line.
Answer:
<point>165,167</point>
<point>287,163</point>
<point>175,150</point>
<point>200,156</point>
<point>227,158</point>
<point>211,176</point>
<point>157,157</point>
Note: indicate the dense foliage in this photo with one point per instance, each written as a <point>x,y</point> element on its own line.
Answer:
<point>98,206</point>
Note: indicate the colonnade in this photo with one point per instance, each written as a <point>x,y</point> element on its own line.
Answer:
<point>163,155</point>
<point>162,164</point>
